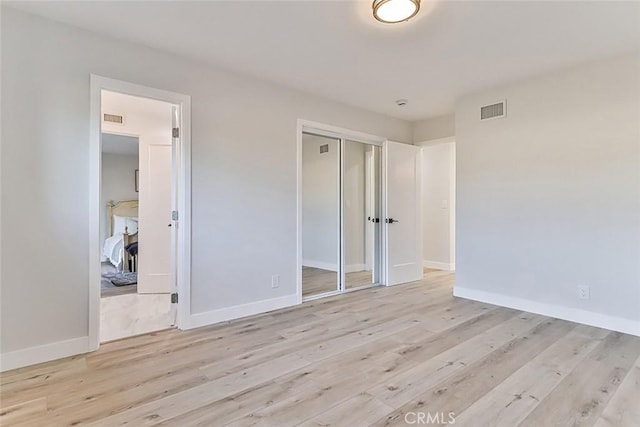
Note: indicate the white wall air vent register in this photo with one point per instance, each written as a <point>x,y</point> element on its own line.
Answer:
<point>113,118</point>
<point>493,111</point>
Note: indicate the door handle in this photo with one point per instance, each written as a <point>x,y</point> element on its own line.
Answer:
<point>391,220</point>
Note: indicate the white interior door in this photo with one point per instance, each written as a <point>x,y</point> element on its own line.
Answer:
<point>403,222</point>
<point>155,224</point>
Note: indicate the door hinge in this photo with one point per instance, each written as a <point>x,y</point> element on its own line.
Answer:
<point>176,132</point>
<point>174,298</point>
<point>174,215</point>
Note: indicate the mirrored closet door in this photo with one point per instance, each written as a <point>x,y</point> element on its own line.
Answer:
<point>320,215</point>
<point>361,214</point>
<point>341,227</point>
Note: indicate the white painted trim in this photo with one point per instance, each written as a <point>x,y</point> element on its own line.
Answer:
<point>95,191</point>
<point>577,315</point>
<point>319,264</point>
<point>438,265</point>
<point>299,129</point>
<point>229,313</point>
<point>341,223</point>
<point>384,213</point>
<point>43,353</point>
<point>445,140</point>
<point>338,132</point>
<point>97,84</point>
<point>322,295</point>
<point>452,204</point>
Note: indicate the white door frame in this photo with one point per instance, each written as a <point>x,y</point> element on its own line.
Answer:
<point>183,260</point>
<point>332,132</point>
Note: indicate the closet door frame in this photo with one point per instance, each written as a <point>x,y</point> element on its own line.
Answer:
<point>341,134</point>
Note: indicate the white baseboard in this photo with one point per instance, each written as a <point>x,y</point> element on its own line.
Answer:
<point>577,315</point>
<point>58,350</point>
<point>43,353</point>
<point>319,264</point>
<point>438,265</point>
<point>229,313</point>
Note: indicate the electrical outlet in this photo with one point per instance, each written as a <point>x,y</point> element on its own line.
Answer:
<point>275,281</point>
<point>584,292</point>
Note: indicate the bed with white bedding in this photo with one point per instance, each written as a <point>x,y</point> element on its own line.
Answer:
<point>122,229</point>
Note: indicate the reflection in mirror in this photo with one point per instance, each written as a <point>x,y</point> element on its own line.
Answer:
<point>361,210</point>
<point>320,214</point>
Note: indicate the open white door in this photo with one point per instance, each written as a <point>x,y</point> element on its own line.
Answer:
<point>156,227</point>
<point>403,222</point>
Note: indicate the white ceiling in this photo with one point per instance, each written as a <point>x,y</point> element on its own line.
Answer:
<point>336,49</point>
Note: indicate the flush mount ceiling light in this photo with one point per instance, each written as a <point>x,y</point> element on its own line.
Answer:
<point>394,11</point>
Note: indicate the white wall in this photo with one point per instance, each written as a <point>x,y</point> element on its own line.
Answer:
<point>438,205</point>
<point>549,197</point>
<point>243,174</point>
<point>434,128</point>
<point>320,202</point>
<point>118,183</point>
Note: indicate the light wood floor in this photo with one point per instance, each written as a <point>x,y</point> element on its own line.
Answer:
<point>364,358</point>
<point>318,281</point>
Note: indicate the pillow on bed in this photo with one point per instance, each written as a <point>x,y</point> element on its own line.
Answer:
<point>120,222</point>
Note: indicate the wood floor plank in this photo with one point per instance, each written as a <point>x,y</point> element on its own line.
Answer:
<point>581,397</point>
<point>512,400</point>
<point>458,391</point>
<point>360,358</point>
<point>120,396</point>
<point>361,410</point>
<point>624,407</point>
<point>411,383</point>
<point>35,376</point>
<point>346,342</point>
<point>236,406</point>
<point>217,389</point>
<point>24,412</point>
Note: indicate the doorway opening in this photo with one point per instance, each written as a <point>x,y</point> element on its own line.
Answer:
<point>340,212</point>
<point>140,186</point>
<point>439,203</point>
<point>137,193</point>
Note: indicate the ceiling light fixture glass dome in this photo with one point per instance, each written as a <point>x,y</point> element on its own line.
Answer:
<point>394,11</point>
